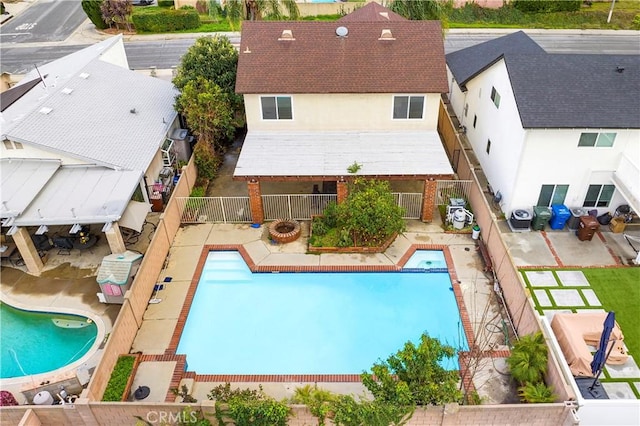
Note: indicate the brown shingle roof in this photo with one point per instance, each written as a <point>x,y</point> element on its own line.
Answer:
<point>372,12</point>
<point>319,61</point>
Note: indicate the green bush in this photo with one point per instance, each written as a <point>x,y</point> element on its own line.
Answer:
<point>198,191</point>
<point>166,20</point>
<point>92,9</point>
<point>166,3</point>
<point>528,359</point>
<point>248,407</point>
<point>537,393</point>
<point>206,161</point>
<point>636,22</point>
<point>545,6</point>
<point>119,377</point>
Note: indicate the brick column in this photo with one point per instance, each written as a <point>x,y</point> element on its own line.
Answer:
<point>342,190</point>
<point>428,200</point>
<point>28,251</point>
<point>255,201</point>
<point>114,237</point>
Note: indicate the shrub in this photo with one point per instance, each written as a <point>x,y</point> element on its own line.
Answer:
<point>546,6</point>
<point>205,160</point>
<point>166,3</point>
<point>537,393</point>
<point>119,377</point>
<point>248,407</point>
<point>636,22</point>
<point>528,360</point>
<point>319,227</point>
<point>7,399</point>
<point>198,191</point>
<point>92,9</point>
<point>166,20</point>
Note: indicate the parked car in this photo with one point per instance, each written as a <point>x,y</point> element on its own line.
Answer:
<point>141,2</point>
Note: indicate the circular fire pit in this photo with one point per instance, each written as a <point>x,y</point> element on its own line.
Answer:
<point>284,230</point>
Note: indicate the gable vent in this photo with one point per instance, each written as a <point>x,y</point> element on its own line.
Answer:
<point>85,75</point>
<point>286,35</point>
<point>386,35</point>
<point>45,110</point>
<point>67,90</point>
<point>385,15</point>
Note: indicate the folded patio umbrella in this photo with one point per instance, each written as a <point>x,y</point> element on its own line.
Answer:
<point>601,355</point>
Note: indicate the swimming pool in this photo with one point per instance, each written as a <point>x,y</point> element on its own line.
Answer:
<point>38,342</point>
<point>313,323</point>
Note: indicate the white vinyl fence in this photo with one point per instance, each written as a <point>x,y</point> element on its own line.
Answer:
<point>298,206</point>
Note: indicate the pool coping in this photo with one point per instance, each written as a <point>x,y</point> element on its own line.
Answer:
<point>181,366</point>
<point>68,370</point>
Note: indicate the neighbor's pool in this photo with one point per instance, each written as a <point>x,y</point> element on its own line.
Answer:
<point>35,342</point>
<point>314,323</point>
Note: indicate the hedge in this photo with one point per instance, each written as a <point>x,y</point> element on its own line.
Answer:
<point>166,20</point>
<point>166,3</point>
<point>544,6</point>
<point>119,378</point>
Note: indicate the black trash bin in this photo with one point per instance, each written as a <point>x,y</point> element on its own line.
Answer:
<point>588,226</point>
<point>574,221</point>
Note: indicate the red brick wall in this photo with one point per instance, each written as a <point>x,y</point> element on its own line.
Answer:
<point>343,191</point>
<point>255,202</point>
<point>429,200</point>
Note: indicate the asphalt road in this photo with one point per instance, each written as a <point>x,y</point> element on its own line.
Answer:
<point>165,54</point>
<point>44,21</point>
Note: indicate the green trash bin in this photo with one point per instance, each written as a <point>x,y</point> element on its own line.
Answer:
<point>541,216</point>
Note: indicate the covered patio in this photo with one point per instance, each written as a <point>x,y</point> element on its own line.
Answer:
<point>40,193</point>
<point>332,157</point>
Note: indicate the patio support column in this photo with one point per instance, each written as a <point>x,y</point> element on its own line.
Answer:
<point>343,190</point>
<point>255,201</point>
<point>428,200</point>
<point>114,237</point>
<point>28,251</point>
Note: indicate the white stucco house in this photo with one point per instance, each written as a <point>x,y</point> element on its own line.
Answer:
<point>80,136</point>
<point>321,96</point>
<point>550,128</point>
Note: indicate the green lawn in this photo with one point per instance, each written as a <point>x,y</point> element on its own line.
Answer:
<point>619,290</point>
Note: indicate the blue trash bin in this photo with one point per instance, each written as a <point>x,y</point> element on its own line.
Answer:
<point>559,216</point>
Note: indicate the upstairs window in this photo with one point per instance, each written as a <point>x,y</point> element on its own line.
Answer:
<point>408,107</point>
<point>552,194</point>
<point>597,139</point>
<point>598,196</point>
<point>276,108</point>
<point>495,97</point>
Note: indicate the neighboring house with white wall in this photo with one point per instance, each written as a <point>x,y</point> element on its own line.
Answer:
<point>80,136</point>
<point>550,128</point>
<point>320,96</point>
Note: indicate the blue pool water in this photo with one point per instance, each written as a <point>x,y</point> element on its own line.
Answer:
<point>313,323</point>
<point>33,342</point>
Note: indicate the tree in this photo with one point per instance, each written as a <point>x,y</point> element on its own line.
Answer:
<point>422,10</point>
<point>414,376</point>
<point>253,10</point>
<point>92,9</point>
<point>207,111</point>
<point>117,12</point>
<point>370,214</point>
<point>216,60</point>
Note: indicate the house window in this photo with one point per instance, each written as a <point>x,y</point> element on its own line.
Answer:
<point>276,108</point>
<point>18,145</point>
<point>552,194</point>
<point>466,109</point>
<point>495,97</point>
<point>475,119</point>
<point>408,107</point>
<point>488,145</point>
<point>598,196</point>
<point>7,144</point>
<point>597,139</point>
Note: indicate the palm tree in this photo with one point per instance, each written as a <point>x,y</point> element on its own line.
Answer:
<point>528,360</point>
<point>253,10</point>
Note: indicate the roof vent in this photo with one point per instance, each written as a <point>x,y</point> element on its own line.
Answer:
<point>386,35</point>
<point>84,75</point>
<point>619,69</point>
<point>286,35</point>
<point>67,90</point>
<point>342,31</point>
<point>45,110</point>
